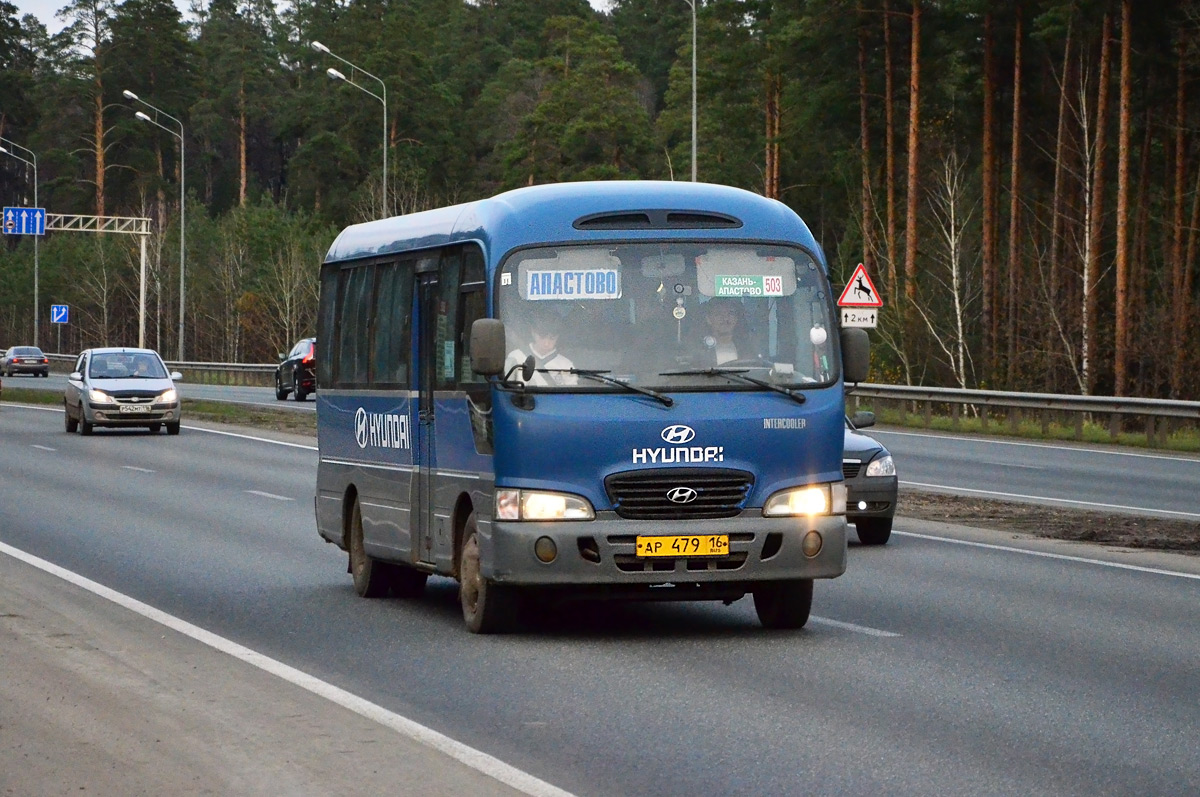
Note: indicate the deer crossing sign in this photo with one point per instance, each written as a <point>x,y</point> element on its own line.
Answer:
<point>860,301</point>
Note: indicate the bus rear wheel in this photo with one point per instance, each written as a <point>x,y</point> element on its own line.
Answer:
<point>487,607</point>
<point>784,604</point>
<point>371,578</point>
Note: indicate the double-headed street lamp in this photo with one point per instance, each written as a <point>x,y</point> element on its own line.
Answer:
<point>4,147</point>
<point>336,75</point>
<point>129,95</point>
<point>692,3</point>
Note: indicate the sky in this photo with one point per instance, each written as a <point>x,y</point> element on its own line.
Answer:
<point>45,10</point>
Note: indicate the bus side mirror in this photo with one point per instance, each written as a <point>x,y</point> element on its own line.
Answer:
<point>487,346</point>
<point>856,354</point>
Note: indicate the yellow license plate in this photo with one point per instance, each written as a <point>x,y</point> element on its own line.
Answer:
<point>689,545</point>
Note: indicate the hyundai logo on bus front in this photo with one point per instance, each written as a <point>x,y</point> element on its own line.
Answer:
<point>682,495</point>
<point>677,435</point>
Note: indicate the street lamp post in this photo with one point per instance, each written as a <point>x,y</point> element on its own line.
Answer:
<point>129,95</point>
<point>336,75</point>
<point>692,3</point>
<point>4,143</point>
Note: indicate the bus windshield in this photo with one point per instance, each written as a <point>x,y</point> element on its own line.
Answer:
<point>669,315</point>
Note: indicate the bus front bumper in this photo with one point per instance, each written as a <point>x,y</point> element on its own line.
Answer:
<point>602,552</point>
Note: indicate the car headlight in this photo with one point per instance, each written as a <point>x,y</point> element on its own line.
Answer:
<point>882,466</point>
<point>167,396</point>
<point>99,397</point>
<point>541,505</point>
<point>815,499</point>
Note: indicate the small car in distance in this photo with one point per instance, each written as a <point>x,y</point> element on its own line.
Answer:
<point>297,371</point>
<point>116,387</point>
<point>871,483</point>
<point>25,360</point>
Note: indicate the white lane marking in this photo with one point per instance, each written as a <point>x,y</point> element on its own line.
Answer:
<point>476,759</point>
<point>43,448</point>
<point>1042,499</point>
<point>858,629</point>
<point>253,437</point>
<point>1094,449</point>
<point>139,470</point>
<point>270,495</point>
<point>1011,465</point>
<point>1046,555</point>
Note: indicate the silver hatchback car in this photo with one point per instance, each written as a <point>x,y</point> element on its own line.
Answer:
<point>121,387</point>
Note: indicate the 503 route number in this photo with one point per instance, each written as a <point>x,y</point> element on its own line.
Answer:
<point>687,545</point>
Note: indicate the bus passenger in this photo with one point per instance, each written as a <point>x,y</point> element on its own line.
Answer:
<point>544,327</point>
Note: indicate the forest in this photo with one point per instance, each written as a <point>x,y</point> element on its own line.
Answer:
<point>1021,178</point>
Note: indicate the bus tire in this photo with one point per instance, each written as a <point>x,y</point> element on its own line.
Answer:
<point>784,604</point>
<point>371,578</point>
<point>487,607</point>
<point>874,531</point>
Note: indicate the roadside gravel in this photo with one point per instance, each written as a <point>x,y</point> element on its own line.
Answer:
<point>1105,528</point>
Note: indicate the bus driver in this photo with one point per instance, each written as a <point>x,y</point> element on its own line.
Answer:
<point>544,327</point>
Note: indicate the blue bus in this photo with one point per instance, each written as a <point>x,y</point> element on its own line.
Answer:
<point>605,390</point>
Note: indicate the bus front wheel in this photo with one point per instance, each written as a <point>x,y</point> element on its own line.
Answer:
<point>784,604</point>
<point>487,607</point>
<point>371,578</point>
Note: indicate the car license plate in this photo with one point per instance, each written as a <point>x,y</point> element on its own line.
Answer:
<point>135,408</point>
<point>687,545</point>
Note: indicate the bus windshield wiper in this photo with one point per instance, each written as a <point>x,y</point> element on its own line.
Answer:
<point>739,375</point>
<point>602,376</point>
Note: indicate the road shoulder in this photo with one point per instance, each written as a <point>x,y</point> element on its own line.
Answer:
<point>98,699</point>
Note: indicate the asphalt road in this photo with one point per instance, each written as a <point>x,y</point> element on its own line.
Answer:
<point>1104,478</point>
<point>950,661</point>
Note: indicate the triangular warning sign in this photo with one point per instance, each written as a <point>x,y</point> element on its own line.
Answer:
<point>860,291</point>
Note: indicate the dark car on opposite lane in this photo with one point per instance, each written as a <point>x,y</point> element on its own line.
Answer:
<point>25,360</point>
<point>297,371</point>
<point>871,483</point>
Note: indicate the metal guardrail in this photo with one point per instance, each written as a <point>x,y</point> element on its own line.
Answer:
<point>218,373</point>
<point>1161,416</point>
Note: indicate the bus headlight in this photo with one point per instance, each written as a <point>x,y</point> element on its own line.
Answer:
<point>815,499</point>
<point>883,466</point>
<point>99,397</point>
<point>541,505</point>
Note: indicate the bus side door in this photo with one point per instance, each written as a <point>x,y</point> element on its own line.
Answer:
<point>423,525</point>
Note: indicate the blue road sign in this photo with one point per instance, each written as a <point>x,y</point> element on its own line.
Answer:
<point>58,313</point>
<point>25,221</point>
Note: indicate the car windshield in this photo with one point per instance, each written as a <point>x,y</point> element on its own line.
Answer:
<point>126,365</point>
<point>24,351</point>
<point>669,315</point>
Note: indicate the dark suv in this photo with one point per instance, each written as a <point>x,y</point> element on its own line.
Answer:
<point>297,371</point>
<point>25,360</point>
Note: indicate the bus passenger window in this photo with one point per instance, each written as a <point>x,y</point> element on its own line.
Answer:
<point>393,325</point>
<point>353,344</point>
